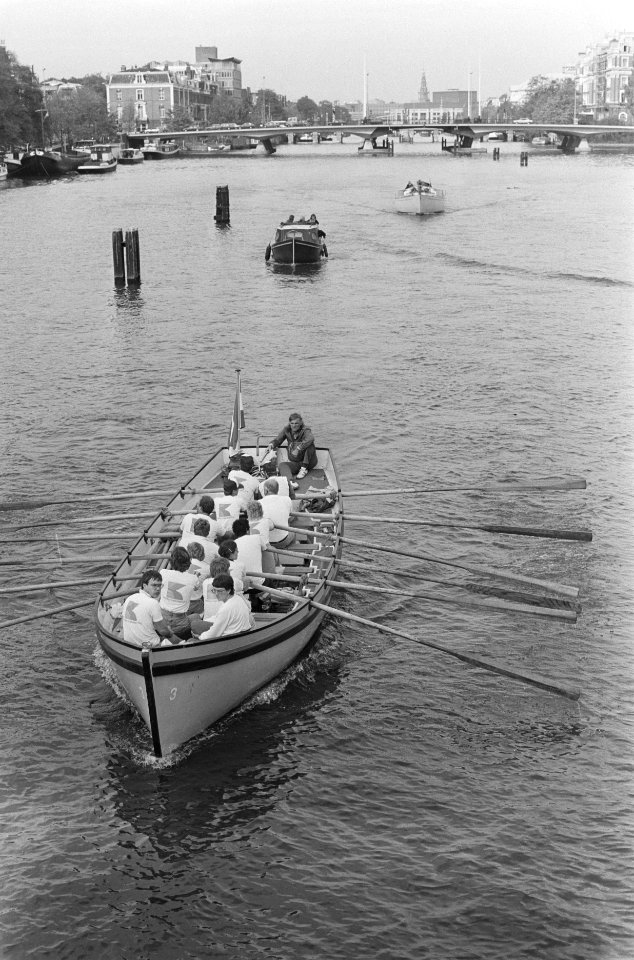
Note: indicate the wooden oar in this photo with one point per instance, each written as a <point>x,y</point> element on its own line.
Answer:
<point>409,574</point>
<point>487,527</point>
<point>47,613</point>
<point>60,561</point>
<point>507,606</point>
<point>94,519</point>
<point>30,587</point>
<point>64,537</point>
<point>572,693</point>
<point>7,505</point>
<point>480,571</point>
<point>491,602</point>
<point>107,517</point>
<point>571,483</point>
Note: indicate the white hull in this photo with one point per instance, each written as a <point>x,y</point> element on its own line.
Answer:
<point>420,204</point>
<point>191,685</point>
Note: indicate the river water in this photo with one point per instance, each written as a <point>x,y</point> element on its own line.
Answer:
<point>380,800</point>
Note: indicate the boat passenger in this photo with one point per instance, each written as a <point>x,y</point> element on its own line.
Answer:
<point>284,487</point>
<point>237,570</point>
<point>410,189</point>
<point>142,617</point>
<point>302,455</point>
<point>234,615</point>
<point>228,506</point>
<point>261,525</point>
<point>291,219</point>
<point>201,534</point>
<point>211,602</point>
<point>248,551</point>
<point>313,221</point>
<point>197,554</point>
<point>176,591</point>
<point>278,509</point>
<point>205,508</point>
<point>244,477</point>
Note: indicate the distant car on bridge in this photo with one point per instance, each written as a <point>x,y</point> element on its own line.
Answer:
<point>523,120</point>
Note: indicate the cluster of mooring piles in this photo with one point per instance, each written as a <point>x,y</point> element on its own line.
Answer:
<point>180,686</point>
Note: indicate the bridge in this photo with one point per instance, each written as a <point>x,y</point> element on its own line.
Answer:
<point>570,134</point>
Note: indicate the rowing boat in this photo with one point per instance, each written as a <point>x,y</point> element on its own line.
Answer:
<point>181,690</point>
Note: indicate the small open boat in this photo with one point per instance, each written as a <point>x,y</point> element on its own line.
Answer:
<point>162,150</point>
<point>130,155</point>
<point>297,243</point>
<point>180,690</point>
<point>420,199</point>
<point>101,160</point>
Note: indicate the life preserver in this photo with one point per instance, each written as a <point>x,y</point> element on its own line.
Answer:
<point>267,253</point>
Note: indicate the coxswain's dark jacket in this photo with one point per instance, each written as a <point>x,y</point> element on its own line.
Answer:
<point>300,444</point>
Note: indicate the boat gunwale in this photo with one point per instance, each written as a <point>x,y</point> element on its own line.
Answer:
<point>214,657</point>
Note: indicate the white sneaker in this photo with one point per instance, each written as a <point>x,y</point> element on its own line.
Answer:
<point>302,473</point>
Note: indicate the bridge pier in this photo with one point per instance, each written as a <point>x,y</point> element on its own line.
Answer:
<point>569,143</point>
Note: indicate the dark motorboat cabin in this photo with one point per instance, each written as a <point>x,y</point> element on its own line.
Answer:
<point>297,243</point>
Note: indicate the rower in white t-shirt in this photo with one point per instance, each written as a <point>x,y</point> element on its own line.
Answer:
<point>234,615</point>
<point>142,617</point>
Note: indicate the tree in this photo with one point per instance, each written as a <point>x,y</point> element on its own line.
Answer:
<point>550,101</point>
<point>326,111</point>
<point>269,105</point>
<point>178,119</point>
<point>307,109</point>
<point>20,101</point>
<point>81,115</point>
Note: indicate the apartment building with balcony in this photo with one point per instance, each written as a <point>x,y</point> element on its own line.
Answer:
<point>604,71</point>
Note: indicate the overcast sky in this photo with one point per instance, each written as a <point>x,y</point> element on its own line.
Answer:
<point>298,48</point>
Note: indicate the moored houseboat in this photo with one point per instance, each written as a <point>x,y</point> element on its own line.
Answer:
<point>161,150</point>
<point>100,160</point>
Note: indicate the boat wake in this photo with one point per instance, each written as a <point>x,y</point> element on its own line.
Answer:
<point>500,268</point>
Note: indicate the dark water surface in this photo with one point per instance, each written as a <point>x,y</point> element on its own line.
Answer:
<point>380,800</point>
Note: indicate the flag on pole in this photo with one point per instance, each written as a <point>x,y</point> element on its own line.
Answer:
<point>237,421</point>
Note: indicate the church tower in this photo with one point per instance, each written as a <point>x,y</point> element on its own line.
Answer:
<point>423,92</point>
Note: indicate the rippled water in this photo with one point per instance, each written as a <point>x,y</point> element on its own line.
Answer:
<point>381,799</point>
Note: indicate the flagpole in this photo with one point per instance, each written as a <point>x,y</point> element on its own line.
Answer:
<point>239,404</point>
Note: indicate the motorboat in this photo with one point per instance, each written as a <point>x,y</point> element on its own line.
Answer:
<point>101,160</point>
<point>297,242</point>
<point>420,199</point>
<point>130,155</point>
